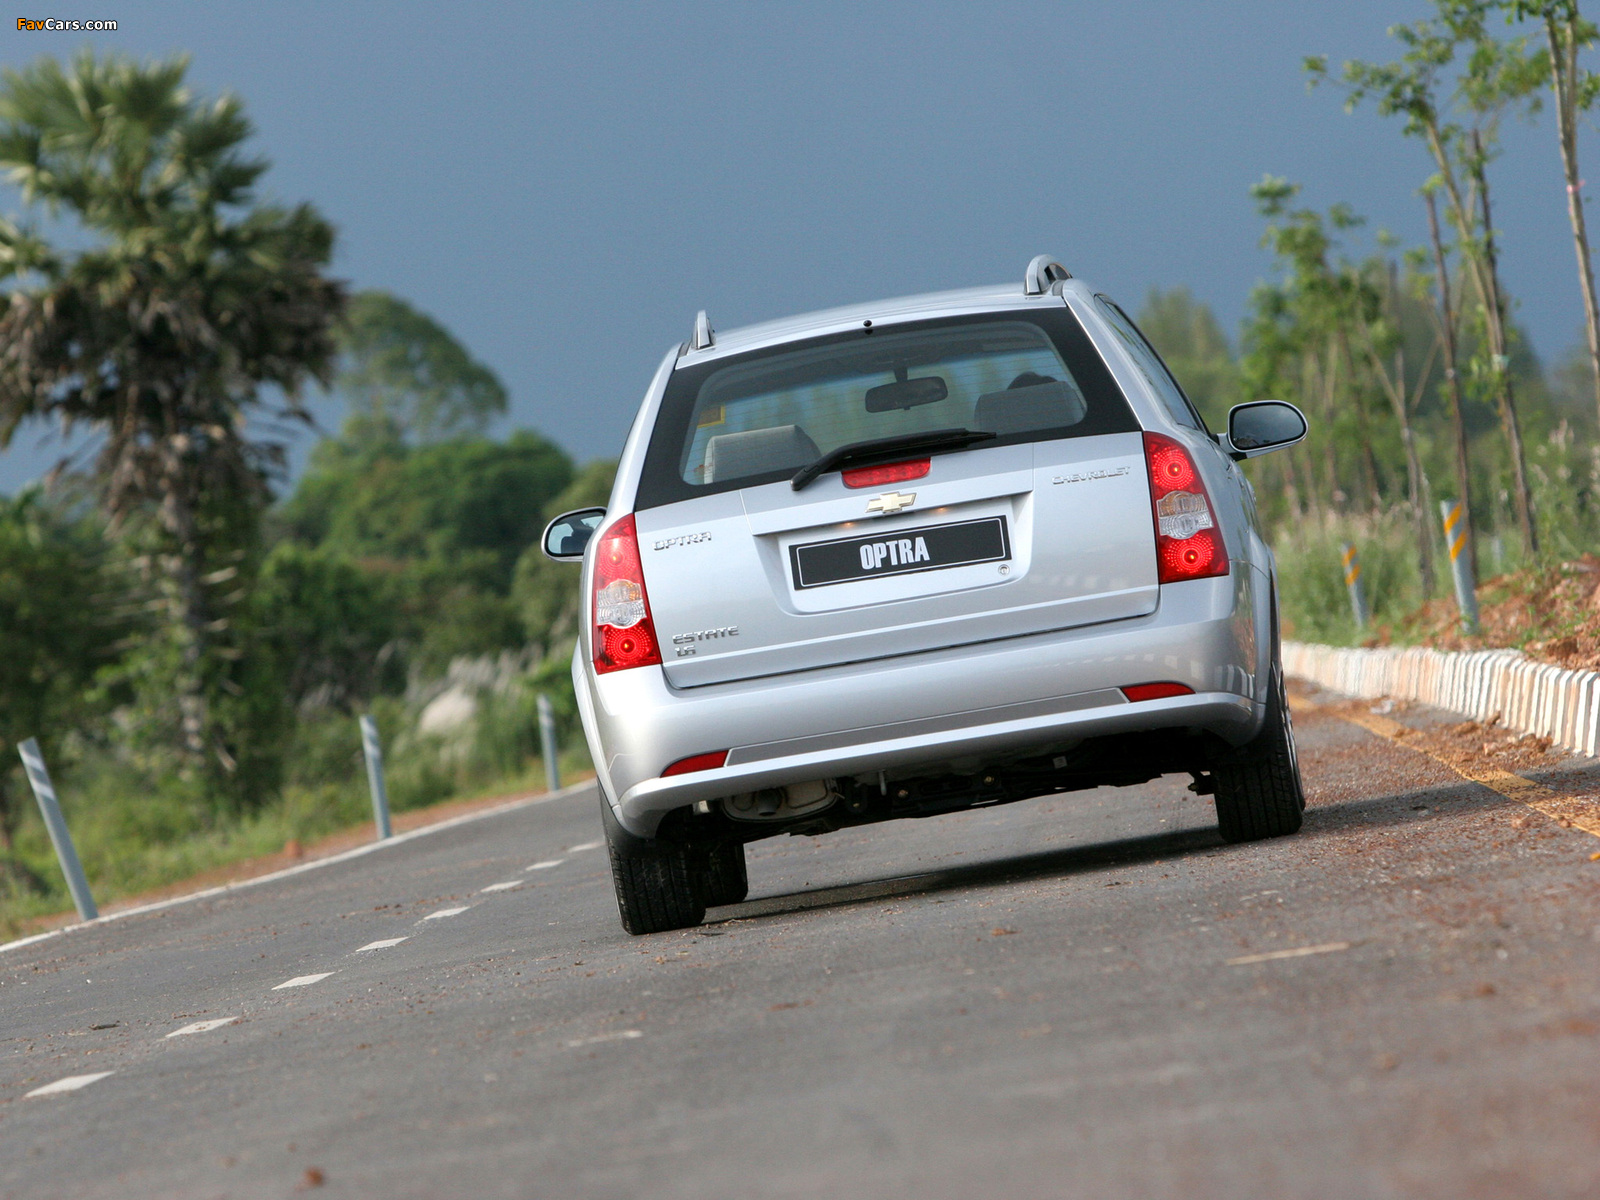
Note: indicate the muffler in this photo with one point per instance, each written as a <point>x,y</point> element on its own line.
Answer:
<point>781,803</point>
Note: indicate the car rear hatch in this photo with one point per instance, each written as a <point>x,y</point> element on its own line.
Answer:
<point>1046,526</point>
<point>992,543</point>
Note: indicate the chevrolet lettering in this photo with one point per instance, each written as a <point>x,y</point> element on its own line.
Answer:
<point>857,655</point>
<point>1086,476</point>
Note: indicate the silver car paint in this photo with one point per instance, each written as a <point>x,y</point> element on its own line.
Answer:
<point>1230,490</point>
<point>924,709</point>
<point>900,694</point>
<point>1097,564</point>
<point>1224,480</point>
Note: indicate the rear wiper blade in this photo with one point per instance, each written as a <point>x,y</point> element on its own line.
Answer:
<point>880,450</point>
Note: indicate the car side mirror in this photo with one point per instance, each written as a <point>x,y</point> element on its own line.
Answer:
<point>1261,427</point>
<point>567,537</point>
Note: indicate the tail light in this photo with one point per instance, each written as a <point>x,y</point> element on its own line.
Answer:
<point>1188,542</point>
<point>624,635</point>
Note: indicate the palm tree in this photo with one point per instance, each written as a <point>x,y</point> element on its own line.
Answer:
<point>159,337</point>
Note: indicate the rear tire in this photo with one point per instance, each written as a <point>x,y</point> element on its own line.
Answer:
<point>726,881</point>
<point>655,886</point>
<point>1258,785</point>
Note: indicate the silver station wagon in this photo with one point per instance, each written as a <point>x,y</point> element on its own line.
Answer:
<point>917,556</point>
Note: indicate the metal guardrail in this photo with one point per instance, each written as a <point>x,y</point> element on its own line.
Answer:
<point>1526,696</point>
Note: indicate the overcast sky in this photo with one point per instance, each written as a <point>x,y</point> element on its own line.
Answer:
<point>565,185</point>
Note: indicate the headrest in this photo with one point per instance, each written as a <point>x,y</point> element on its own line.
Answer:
<point>758,451</point>
<point>1032,406</point>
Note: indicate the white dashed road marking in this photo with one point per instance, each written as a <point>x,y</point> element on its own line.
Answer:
<point>70,1084</point>
<point>621,1035</point>
<point>585,846</point>
<point>445,912</point>
<point>382,944</point>
<point>204,1026</point>
<point>504,887</point>
<point>301,981</point>
<point>1297,952</point>
<point>545,865</point>
<point>315,864</point>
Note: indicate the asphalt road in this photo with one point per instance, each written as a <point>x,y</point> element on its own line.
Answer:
<point>1075,996</point>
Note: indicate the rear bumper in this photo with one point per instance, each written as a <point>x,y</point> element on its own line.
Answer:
<point>970,702</point>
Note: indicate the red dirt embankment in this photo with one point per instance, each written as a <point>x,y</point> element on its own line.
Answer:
<point>1550,614</point>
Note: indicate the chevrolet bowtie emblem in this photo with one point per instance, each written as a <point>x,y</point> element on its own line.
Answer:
<point>891,502</point>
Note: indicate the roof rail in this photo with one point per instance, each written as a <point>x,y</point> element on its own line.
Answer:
<point>1042,272</point>
<point>704,335</point>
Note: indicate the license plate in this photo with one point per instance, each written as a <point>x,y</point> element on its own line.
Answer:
<point>903,552</point>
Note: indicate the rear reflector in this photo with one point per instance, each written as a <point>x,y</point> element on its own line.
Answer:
<point>1188,542</point>
<point>860,477</point>
<point>697,762</point>
<point>1156,691</point>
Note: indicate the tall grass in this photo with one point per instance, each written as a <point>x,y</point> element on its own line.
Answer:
<point>1564,477</point>
<point>1565,481</point>
<point>1313,599</point>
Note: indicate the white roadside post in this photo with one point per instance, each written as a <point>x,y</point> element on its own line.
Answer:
<point>1352,580</point>
<point>373,750</point>
<point>547,743</point>
<point>1455,537</point>
<point>49,808</point>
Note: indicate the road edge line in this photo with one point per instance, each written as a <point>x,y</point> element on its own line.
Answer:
<point>299,868</point>
<point>1505,784</point>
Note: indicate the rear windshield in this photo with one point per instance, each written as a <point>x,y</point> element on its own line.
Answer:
<point>760,417</point>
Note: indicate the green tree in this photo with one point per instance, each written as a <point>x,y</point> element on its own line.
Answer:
<point>1380,331</point>
<point>439,527</point>
<point>55,632</point>
<point>1301,330</point>
<point>546,591</point>
<point>1343,330</point>
<point>1457,117</point>
<point>1187,335</point>
<point>403,374</point>
<point>470,503</point>
<point>1442,310</point>
<point>187,298</point>
<point>326,625</point>
<point>1574,90</point>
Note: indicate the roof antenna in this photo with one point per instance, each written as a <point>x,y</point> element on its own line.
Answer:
<point>703,333</point>
<point>1042,272</point>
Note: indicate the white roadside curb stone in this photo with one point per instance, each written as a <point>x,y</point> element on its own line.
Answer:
<point>1527,697</point>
